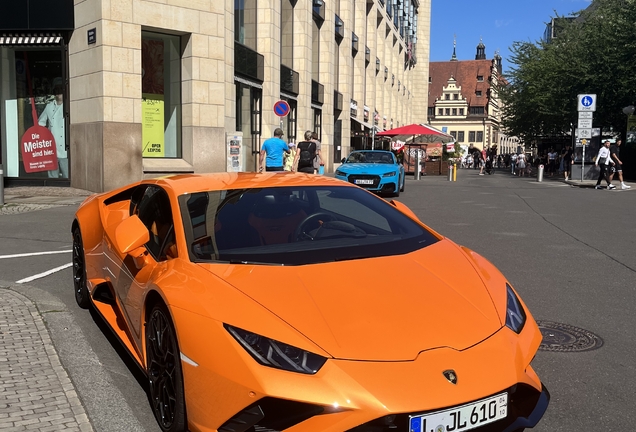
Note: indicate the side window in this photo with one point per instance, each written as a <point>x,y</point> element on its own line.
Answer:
<point>155,212</point>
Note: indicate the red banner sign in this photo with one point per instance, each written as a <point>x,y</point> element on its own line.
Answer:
<point>38,150</point>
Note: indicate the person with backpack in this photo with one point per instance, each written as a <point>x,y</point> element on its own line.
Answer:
<point>304,161</point>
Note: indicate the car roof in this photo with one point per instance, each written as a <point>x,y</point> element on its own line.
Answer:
<point>370,151</point>
<point>191,183</point>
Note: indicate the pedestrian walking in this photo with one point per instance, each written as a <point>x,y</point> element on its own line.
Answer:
<point>290,157</point>
<point>552,157</point>
<point>521,164</point>
<point>603,161</point>
<point>566,158</point>
<point>271,157</point>
<point>305,155</point>
<point>618,164</point>
<point>318,159</point>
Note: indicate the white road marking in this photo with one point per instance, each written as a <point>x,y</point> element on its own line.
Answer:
<point>34,254</point>
<point>46,273</point>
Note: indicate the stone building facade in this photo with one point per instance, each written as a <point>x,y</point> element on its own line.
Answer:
<point>157,87</point>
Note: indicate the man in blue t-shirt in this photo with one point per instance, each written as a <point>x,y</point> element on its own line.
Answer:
<point>273,148</point>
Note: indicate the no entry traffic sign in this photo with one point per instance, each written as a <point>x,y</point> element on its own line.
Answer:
<point>281,108</point>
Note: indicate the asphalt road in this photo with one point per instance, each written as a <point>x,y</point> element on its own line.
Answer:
<point>568,251</point>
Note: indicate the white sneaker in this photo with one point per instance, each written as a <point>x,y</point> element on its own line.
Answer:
<point>598,187</point>
<point>624,186</point>
<point>611,186</point>
<point>566,179</point>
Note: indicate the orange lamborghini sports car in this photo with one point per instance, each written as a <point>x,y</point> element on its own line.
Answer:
<point>299,303</point>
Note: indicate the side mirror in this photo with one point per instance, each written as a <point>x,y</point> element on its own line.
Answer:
<point>343,160</point>
<point>404,209</point>
<point>130,234</point>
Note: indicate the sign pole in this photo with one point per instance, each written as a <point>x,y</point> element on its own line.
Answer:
<point>583,163</point>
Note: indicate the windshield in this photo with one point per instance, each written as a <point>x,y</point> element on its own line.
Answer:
<point>296,225</point>
<point>370,157</point>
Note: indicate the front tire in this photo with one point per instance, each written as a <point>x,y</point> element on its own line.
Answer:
<point>165,377</point>
<point>82,296</point>
<point>403,183</point>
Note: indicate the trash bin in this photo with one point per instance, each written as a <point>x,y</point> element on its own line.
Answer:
<point>540,173</point>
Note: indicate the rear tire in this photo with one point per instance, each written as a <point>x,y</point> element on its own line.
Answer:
<point>82,296</point>
<point>163,366</point>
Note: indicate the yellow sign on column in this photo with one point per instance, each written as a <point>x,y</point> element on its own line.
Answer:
<point>152,125</point>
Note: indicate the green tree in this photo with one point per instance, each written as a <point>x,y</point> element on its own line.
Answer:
<point>592,54</point>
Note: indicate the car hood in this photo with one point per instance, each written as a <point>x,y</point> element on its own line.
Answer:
<point>367,168</point>
<point>381,309</point>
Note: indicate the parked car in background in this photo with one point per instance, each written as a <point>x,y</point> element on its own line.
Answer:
<point>374,170</point>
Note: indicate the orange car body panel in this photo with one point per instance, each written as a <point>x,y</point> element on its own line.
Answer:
<point>392,312</point>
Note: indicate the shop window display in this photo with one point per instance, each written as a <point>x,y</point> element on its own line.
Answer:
<point>34,120</point>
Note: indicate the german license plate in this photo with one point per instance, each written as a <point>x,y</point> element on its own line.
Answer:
<point>463,418</point>
<point>364,181</point>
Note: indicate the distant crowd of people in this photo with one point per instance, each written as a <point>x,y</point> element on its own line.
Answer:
<point>520,164</point>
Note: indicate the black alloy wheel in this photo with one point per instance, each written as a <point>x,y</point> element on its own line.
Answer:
<point>165,376</point>
<point>403,183</point>
<point>79,271</point>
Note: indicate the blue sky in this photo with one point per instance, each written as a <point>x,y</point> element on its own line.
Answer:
<point>498,22</point>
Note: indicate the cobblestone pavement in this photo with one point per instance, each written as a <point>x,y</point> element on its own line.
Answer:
<point>23,199</point>
<point>35,390</point>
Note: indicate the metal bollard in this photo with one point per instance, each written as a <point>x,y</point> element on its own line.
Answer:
<point>418,165</point>
<point>540,174</point>
<point>454,172</point>
<point>450,173</point>
<point>1,186</point>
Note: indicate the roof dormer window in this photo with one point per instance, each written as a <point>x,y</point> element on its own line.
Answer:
<point>480,78</point>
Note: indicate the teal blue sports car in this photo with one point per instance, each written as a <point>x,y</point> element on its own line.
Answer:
<point>374,170</point>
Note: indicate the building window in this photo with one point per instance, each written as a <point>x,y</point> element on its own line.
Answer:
<point>454,111</point>
<point>460,136</point>
<point>161,95</point>
<point>454,135</point>
<point>315,52</point>
<point>430,80</point>
<point>446,96</point>
<point>249,105</point>
<point>447,111</point>
<point>245,22</point>
<point>34,95</point>
<point>480,136</point>
<point>476,110</point>
<point>431,112</point>
<point>471,136</point>
<point>478,93</point>
<point>480,78</point>
<point>318,122</point>
<point>440,111</point>
<point>461,111</point>
<point>455,96</point>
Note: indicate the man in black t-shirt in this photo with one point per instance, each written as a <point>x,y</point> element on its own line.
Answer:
<point>566,156</point>
<point>615,150</point>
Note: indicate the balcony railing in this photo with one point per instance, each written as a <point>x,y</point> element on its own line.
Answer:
<point>289,80</point>
<point>248,62</point>
<point>317,92</point>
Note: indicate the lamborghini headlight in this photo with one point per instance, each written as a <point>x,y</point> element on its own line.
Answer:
<point>341,173</point>
<point>515,315</point>
<point>390,174</point>
<point>272,353</point>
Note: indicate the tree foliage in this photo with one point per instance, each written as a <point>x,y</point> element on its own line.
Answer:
<point>594,54</point>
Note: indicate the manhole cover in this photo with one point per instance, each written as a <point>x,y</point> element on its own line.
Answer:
<point>566,338</point>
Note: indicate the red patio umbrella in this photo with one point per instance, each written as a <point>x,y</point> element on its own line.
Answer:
<point>413,129</point>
